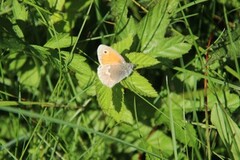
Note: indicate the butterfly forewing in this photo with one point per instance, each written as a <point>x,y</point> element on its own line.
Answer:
<point>107,55</point>
<point>112,68</point>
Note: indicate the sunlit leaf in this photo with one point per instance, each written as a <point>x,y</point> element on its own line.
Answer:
<point>138,84</point>
<point>61,41</point>
<point>152,28</point>
<point>141,60</point>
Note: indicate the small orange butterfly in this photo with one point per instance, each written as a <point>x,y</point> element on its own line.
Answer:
<point>113,68</point>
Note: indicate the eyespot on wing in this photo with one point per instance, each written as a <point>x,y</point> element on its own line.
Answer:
<point>107,55</point>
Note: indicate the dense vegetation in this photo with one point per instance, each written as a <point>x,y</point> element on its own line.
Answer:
<point>180,102</point>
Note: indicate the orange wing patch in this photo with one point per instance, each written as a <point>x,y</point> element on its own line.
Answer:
<point>111,58</point>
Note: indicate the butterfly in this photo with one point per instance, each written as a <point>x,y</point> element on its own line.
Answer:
<point>113,68</point>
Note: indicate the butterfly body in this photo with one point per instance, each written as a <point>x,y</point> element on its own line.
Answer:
<point>113,68</point>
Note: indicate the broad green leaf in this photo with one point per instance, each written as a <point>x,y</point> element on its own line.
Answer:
<point>227,129</point>
<point>138,84</point>
<point>56,4</point>
<point>152,28</point>
<point>160,141</point>
<point>10,36</point>
<point>73,11</point>
<point>31,77</point>
<point>61,41</point>
<point>172,47</point>
<point>141,60</point>
<point>123,45</point>
<point>185,131</point>
<point>123,25</point>
<point>18,61</point>
<point>154,140</point>
<point>84,74</point>
<point>112,103</point>
<point>42,52</point>
<point>19,11</point>
<point>225,97</point>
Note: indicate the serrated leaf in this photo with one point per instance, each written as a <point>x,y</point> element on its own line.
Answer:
<point>227,129</point>
<point>141,60</point>
<point>61,41</point>
<point>140,85</point>
<point>152,30</point>
<point>152,27</point>
<point>126,26</point>
<point>84,73</point>
<point>123,45</point>
<point>112,103</point>
<point>19,11</point>
<point>172,47</point>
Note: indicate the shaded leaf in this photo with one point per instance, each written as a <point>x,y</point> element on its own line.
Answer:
<point>18,60</point>
<point>227,46</point>
<point>84,73</point>
<point>39,51</point>
<point>112,103</point>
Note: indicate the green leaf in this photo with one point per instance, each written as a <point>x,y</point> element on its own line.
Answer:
<point>185,131</point>
<point>126,26</point>
<point>18,60</point>
<point>19,11</point>
<point>42,52</point>
<point>141,60</point>
<point>113,106</point>
<point>123,45</point>
<point>84,73</point>
<point>157,138</point>
<point>61,41</point>
<point>140,85</point>
<point>227,46</point>
<point>56,4</point>
<point>172,47</point>
<point>31,77</point>
<point>152,27</point>
<point>227,129</point>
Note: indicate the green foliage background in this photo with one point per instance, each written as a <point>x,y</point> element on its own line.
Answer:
<point>53,105</point>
